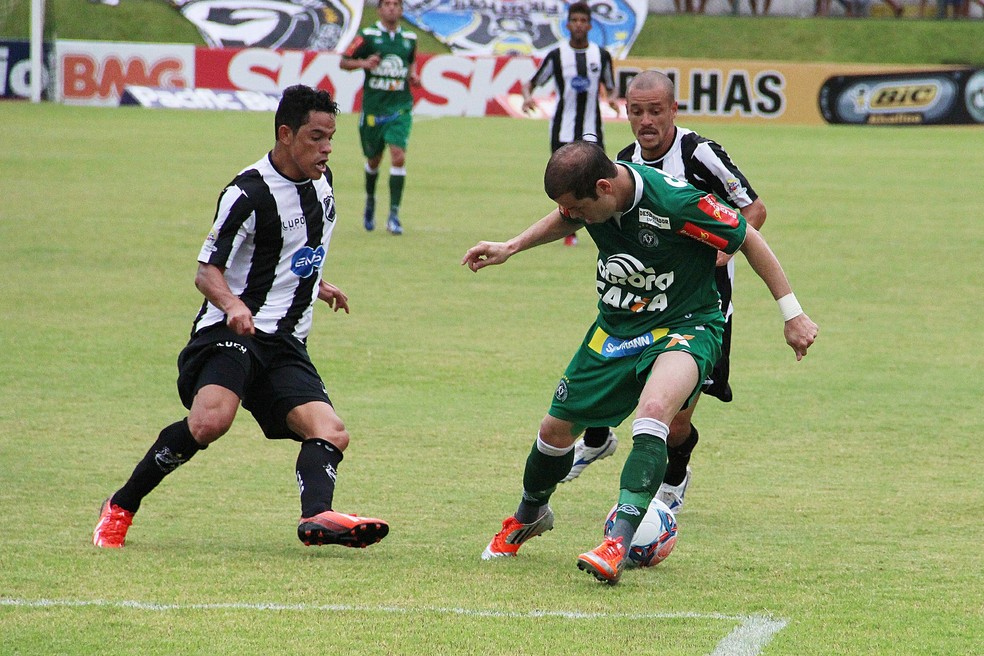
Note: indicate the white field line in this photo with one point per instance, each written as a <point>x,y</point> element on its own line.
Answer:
<point>751,635</point>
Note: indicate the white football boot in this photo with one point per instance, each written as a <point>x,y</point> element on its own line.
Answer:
<point>672,495</point>
<point>585,455</point>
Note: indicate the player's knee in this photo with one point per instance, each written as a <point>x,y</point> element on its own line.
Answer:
<point>332,429</point>
<point>337,438</point>
<point>556,433</point>
<point>656,409</point>
<point>208,427</point>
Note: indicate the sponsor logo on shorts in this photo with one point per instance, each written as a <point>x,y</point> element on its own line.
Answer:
<point>678,339</point>
<point>233,345</point>
<point>562,391</point>
<point>614,347</point>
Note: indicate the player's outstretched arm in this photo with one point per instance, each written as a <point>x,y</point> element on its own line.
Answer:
<point>800,331</point>
<point>550,228</point>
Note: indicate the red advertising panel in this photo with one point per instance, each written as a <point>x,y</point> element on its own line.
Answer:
<point>96,73</point>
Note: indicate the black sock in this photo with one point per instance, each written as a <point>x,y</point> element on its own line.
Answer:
<point>317,464</point>
<point>174,447</point>
<point>595,436</point>
<point>678,457</point>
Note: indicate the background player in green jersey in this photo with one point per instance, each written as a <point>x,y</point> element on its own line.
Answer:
<point>387,53</point>
<point>657,334</point>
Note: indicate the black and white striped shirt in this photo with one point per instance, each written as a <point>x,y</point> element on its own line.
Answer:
<point>271,237</point>
<point>576,74</point>
<point>701,162</point>
<point>704,164</point>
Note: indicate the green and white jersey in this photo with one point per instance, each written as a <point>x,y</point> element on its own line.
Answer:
<point>386,89</point>
<point>656,260</point>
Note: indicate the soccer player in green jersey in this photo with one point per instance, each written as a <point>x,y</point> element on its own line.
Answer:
<point>657,333</point>
<point>387,53</point>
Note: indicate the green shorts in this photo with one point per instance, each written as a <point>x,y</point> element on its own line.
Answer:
<point>604,379</point>
<point>377,131</point>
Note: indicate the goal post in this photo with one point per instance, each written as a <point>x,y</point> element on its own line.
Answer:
<point>37,49</point>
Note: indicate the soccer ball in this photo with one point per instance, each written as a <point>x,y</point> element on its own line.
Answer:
<point>654,539</point>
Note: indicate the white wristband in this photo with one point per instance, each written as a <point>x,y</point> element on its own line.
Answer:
<point>789,307</point>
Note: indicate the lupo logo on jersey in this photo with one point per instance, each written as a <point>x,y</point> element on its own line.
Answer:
<point>307,260</point>
<point>508,27</point>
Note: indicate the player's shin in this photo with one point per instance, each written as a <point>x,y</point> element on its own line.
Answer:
<point>316,468</point>
<point>174,447</point>
<point>641,477</point>
<point>546,466</point>
<point>397,180</point>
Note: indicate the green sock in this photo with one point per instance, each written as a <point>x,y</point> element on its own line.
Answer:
<point>642,475</point>
<point>543,472</point>
<point>396,182</point>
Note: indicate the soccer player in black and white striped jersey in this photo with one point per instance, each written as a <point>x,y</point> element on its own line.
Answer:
<point>578,68</point>
<point>260,271</point>
<point>652,108</point>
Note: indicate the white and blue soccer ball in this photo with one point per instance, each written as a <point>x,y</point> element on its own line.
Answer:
<point>654,539</point>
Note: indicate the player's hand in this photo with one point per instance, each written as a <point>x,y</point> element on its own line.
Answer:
<point>614,105</point>
<point>333,296</point>
<point>529,105</point>
<point>240,319</point>
<point>371,62</point>
<point>485,253</point>
<point>800,334</point>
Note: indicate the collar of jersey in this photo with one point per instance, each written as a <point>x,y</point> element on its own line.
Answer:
<point>638,194</point>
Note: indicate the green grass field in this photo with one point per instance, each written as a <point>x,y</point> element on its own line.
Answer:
<point>836,503</point>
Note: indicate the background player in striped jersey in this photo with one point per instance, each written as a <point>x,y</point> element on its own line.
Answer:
<point>387,54</point>
<point>652,109</point>
<point>260,271</point>
<point>579,69</point>
<point>656,337</point>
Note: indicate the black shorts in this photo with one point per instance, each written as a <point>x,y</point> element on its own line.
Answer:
<point>271,374</point>
<point>716,384</point>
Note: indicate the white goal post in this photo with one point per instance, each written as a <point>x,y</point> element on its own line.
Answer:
<point>37,49</point>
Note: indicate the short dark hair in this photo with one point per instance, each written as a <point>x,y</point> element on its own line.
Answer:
<point>579,8</point>
<point>297,102</point>
<point>576,168</point>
